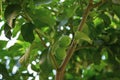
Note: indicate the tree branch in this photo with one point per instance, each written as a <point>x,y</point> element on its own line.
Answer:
<point>61,69</point>
<point>85,15</point>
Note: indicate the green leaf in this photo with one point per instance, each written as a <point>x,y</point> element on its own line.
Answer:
<point>4,72</point>
<point>89,72</point>
<point>97,21</point>
<point>42,17</point>
<point>27,32</point>
<point>2,44</point>
<point>10,14</point>
<point>116,10</point>
<point>45,64</point>
<point>106,19</point>
<point>67,13</point>
<point>82,36</point>
<point>85,29</point>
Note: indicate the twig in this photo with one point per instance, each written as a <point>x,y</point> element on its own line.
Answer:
<point>23,60</point>
<point>83,47</point>
<point>54,61</point>
<point>43,43</point>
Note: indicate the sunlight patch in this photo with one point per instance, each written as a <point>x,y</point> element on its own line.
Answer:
<point>37,77</point>
<point>71,36</point>
<point>62,1</point>
<point>2,36</point>
<point>103,57</point>
<point>1,76</point>
<point>50,78</point>
<point>48,44</point>
<point>1,24</point>
<point>33,62</point>
<point>15,69</point>
<point>54,72</point>
<point>12,41</point>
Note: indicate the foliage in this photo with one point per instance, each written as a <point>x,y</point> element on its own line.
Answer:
<point>38,37</point>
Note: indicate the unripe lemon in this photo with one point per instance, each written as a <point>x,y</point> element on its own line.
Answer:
<point>60,53</point>
<point>64,41</point>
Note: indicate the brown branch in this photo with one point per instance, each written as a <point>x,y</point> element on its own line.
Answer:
<point>61,69</point>
<point>74,43</point>
<point>85,15</point>
<point>69,55</point>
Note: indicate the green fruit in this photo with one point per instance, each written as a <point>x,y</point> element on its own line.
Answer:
<point>64,41</point>
<point>60,53</point>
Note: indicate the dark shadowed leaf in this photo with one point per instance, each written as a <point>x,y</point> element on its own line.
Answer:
<point>27,32</point>
<point>116,10</point>
<point>7,30</point>
<point>106,19</point>
<point>10,14</point>
<point>4,72</point>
